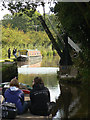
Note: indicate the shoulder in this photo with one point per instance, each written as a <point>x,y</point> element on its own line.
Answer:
<point>20,91</point>
<point>7,90</point>
<point>46,88</point>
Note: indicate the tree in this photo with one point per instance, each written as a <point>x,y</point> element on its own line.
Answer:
<point>29,9</point>
<point>20,40</point>
<point>74,19</point>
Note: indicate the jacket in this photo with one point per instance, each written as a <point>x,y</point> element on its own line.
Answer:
<point>15,95</point>
<point>39,97</point>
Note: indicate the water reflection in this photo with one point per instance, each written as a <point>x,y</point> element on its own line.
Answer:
<point>45,62</point>
<point>38,70</point>
<point>71,104</point>
<point>50,81</point>
<point>54,92</point>
<point>27,64</point>
<point>71,101</point>
<point>30,63</point>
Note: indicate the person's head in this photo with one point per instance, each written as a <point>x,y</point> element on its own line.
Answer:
<point>37,80</point>
<point>14,82</point>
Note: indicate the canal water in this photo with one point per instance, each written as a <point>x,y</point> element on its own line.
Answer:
<point>71,100</point>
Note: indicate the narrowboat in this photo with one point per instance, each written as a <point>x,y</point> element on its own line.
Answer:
<point>26,54</point>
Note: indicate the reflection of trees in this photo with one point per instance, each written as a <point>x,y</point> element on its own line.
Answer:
<point>68,103</point>
<point>84,106</point>
<point>48,61</point>
<point>65,98</point>
<point>50,80</point>
<point>74,107</point>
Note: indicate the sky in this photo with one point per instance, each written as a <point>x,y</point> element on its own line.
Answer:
<point>2,13</point>
<point>39,8</point>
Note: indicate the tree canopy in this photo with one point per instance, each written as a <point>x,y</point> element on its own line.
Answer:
<point>20,40</point>
<point>74,19</point>
<point>23,22</point>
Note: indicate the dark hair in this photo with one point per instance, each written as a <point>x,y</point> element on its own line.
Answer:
<point>38,80</point>
<point>14,82</point>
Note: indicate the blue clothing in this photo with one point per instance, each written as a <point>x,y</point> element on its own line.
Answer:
<point>15,96</point>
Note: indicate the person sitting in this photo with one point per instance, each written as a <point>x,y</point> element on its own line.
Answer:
<point>39,98</point>
<point>16,96</point>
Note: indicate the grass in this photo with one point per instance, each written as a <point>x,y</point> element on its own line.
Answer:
<point>7,59</point>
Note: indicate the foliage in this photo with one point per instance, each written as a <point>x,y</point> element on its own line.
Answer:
<point>30,30</point>
<point>23,8</point>
<point>27,23</point>
<point>29,8</point>
<point>23,22</point>
<point>20,7</point>
<point>74,19</point>
<point>30,40</point>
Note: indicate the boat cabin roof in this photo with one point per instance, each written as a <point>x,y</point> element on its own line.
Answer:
<point>27,50</point>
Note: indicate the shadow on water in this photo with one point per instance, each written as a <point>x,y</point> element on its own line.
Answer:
<point>71,101</point>
<point>71,104</point>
